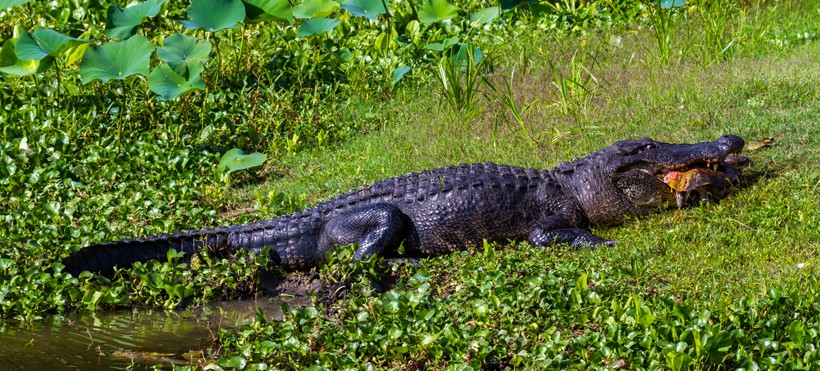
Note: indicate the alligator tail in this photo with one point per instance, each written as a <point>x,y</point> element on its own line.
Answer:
<point>102,258</point>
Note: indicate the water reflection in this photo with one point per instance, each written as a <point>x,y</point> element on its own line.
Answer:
<point>107,340</point>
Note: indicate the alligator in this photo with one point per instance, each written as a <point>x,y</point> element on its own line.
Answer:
<point>452,208</point>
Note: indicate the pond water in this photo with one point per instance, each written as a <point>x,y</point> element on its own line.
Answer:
<point>109,340</point>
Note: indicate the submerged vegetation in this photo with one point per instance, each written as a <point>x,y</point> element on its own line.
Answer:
<point>121,120</point>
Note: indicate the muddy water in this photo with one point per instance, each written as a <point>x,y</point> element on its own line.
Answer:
<point>110,340</point>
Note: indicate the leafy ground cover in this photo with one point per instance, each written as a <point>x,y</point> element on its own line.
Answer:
<point>728,285</point>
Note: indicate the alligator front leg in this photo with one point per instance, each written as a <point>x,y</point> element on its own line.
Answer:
<point>559,229</point>
<point>376,228</point>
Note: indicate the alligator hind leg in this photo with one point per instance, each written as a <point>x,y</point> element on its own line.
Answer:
<point>376,228</point>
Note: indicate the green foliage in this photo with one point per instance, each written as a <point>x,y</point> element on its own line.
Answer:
<point>214,15</point>
<point>11,64</point>
<point>317,26</point>
<point>123,23</point>
<point>531,309</point>
<point>459,77</point>
<point>42,43</point>
<point>268,10</point>
<point>364,8</point>
<point>433,11</point>
<point>311,9</point>
<point>183,52</point>
<point>169,84</point>
<point>117,60</point>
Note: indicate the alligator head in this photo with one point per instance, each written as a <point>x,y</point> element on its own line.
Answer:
<point>635,177</point>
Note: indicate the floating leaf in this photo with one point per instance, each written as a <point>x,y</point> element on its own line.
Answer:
<point>264,10</point>
<point>11,64</point>
<point>316,26</point>
<point>117,60</point>
<point>236,159</point>
<point>436,10</point>
<point>398,73</point>
<point>365,8</point>
<point>485,15</point>
<point>123,23</point>
<point>44,42</point>
<point>214,15</point>
<point>168,84</point>
<point>315,8</point>
<point>181,52</point>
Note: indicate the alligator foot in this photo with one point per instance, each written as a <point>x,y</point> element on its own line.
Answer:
<point>575,237</point>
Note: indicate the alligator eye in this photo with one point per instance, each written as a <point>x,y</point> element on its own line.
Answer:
<point>649,146</point>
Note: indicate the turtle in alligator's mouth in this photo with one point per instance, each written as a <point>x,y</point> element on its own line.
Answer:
<point>707,179</point>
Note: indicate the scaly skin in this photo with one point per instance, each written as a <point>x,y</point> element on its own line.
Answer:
<point>448,209</point>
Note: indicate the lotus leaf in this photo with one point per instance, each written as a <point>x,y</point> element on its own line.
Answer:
<point>436,10</point>
<point>44,42</point>
<point>181,52</point>
<point>315,9</point>
<point>116,60</point>
<point>168,84</point>
<point>123,23</point>
<point>264,10</point>
<point>317,26</point>
<point>11,64</point>
<point>4,4</point>
<point>485,16</point>
<point>365,8</point>
<point>236,159</point>
<point>214,15</point>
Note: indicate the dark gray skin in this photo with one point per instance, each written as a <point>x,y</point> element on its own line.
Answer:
<point>448,209</point>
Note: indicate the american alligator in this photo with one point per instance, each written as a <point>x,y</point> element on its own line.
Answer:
<point>451,208</point>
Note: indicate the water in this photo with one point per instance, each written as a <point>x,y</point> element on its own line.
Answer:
<point>108,340</point>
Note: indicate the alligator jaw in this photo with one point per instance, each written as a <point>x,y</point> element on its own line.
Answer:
<point>703,177</point>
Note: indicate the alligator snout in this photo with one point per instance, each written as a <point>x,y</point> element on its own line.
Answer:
<point>733,143</point>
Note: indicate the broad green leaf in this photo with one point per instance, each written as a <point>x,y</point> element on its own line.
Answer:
<point>265,10</point>
<point>509,4</point>
<point>11,64</point>
<point>117,60</point>
<point>168,84</point>
<point>315,9</point>
<point>236,362</point>
<point>214,15</point>
<point>236,159</point>
<point>365,8</point>
<point>180,52</point>
<point>44,42</point>
<point>485,15</point>
<point>76,54</point>
<point>123,23</point>
<point>443,45</point>
<point>398,73</point>
<point>667,4</point>
<point>316,26</point>
<point>11,3</point>
<point>433,11</point>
